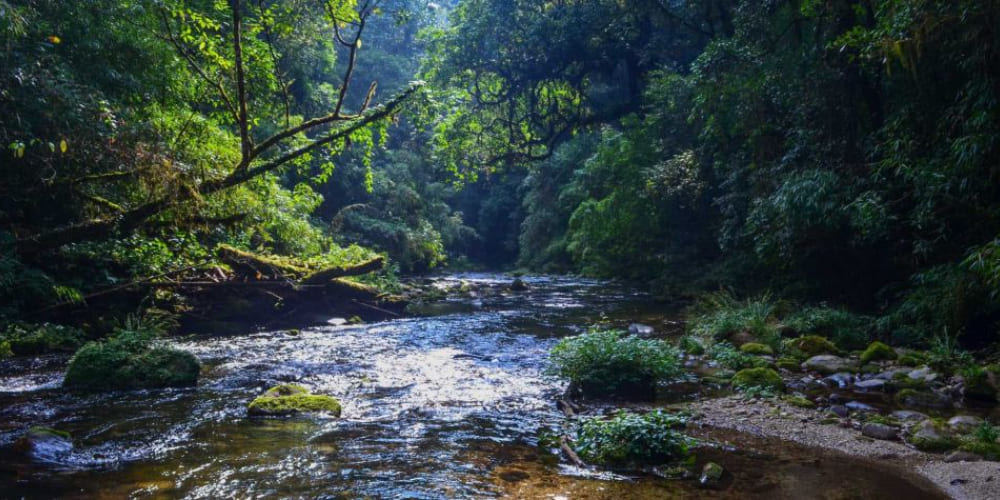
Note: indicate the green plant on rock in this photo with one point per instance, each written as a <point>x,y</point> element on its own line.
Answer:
<point>732,358</point>
<point>631,439</point>
<point>131,359</point>
<point>609,364</point>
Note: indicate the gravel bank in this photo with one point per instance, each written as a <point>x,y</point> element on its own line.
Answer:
<point>776,419</point>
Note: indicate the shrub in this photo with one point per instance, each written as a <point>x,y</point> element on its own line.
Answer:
<point>846,330</point>
<point>631,439</point>
<point>604,363</point>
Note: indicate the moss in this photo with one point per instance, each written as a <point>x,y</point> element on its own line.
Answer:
<point>882,419</point>
<point>810,345</point>
<point>5,351</point>
<point>290,399</point>
<point>878,351</point>
<point>764,379</point>
<point>756,348</point>
<point>127,363</point>
<point>799,401</point>
<point>355,320</point>
<point>790,364</point>
<point>989,451</point>
<point>913,359</point>
<point>938,444</point>
<point>48,432</point>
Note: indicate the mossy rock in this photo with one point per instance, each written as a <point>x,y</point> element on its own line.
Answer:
<point>913,359</point>
<point>809,346</point>
<point>939,444</point>
<point>878,351</point>
<point>290,399</point>
<point>758,378</point>
<point>790,364</point>
<point>799,401</point>
<point>923,399</point>
<point>756,348</point>
<point>117,365</point>
<point>5,351</point>
<point>977,387</point>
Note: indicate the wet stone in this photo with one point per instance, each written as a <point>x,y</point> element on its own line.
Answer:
<point>879,431</point>
<point>840,380</point>
<point>827,364</point>
<point>859,407</point>
<point>871,385</point>
<point>909,416</point>
<point>840,411</point>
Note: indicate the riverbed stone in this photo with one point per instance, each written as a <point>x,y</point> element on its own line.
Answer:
<point>926,436</point>
<point>711,475</point>
<point>924,373</point>
<point>880,431</point>
<point>964,424</point>
<point>962,456</point>
<point>859,407</point>
<point>923,399</point>
<point>290,399</point>
<point>841,380</point>
<point>870,385</point>
<point>827,364</point>
<point>840,411</point>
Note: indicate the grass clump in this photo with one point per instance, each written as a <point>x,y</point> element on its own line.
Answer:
<point>878,351</point>
<point>758,381</point>
<point>732,358</point>
<point>608,364</point>
<point>131,359</point>
<point>631,439</point>
<point>719,316</point>
<point>290,399</point>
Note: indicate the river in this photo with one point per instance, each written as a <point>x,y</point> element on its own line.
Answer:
<point>447,404</point>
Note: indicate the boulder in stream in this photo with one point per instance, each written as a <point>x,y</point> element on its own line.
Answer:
<point>45,445</point>
<point>290,399</point>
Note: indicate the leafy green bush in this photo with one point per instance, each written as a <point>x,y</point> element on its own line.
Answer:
<point>848,331</point>
<point>608,364</point>
<point>23,339</point>
<point>631,439</point>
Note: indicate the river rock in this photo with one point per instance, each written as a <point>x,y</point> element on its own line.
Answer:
<point>924,373</point>
<point>879,431</point>
<point>909,416</point>
<point>518,285</point>
<point>870,385</point>
<point>840,411</point>
<point>964,424</point>
<point>827,364</point>
<point>45,445</point>
<point>891,373</point>
<point>640,329</point>
<point>711,475</point>
<point>859,407</point>
<point>927,437</point>
<point>290,399</point>
<point>962,456</point>
<point>923,399</point>
<point>841,380</point>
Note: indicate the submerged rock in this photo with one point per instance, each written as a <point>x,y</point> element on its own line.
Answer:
<point>827,364</point>
<point>290,399</point>
<point>711,475</point>
<point>45,444</point>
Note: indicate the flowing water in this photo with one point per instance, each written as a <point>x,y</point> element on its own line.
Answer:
<point>450,404</point>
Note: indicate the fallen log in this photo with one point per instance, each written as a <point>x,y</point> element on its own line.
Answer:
<point>330,273</point>
<point>253,264</point>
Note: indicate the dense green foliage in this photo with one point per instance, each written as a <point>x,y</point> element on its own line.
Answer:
<point>629,439</point>
<point>602,364</point>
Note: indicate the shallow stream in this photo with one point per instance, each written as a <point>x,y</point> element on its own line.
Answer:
<point>445,405</point>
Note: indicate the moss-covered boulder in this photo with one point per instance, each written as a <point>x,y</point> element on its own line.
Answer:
<point>758,379</point>
<point>926,436</point>
<point>877,351</point>
<point>913,358</point>
<point>129,363</point>
<point>809,345</point>
<point>756,348</point>
<point>790,364</point>
<point>290,399</point>
<point>976,386</point>
<point>45,444</point>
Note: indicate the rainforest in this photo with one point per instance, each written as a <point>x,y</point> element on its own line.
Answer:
<point>500,249</point>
